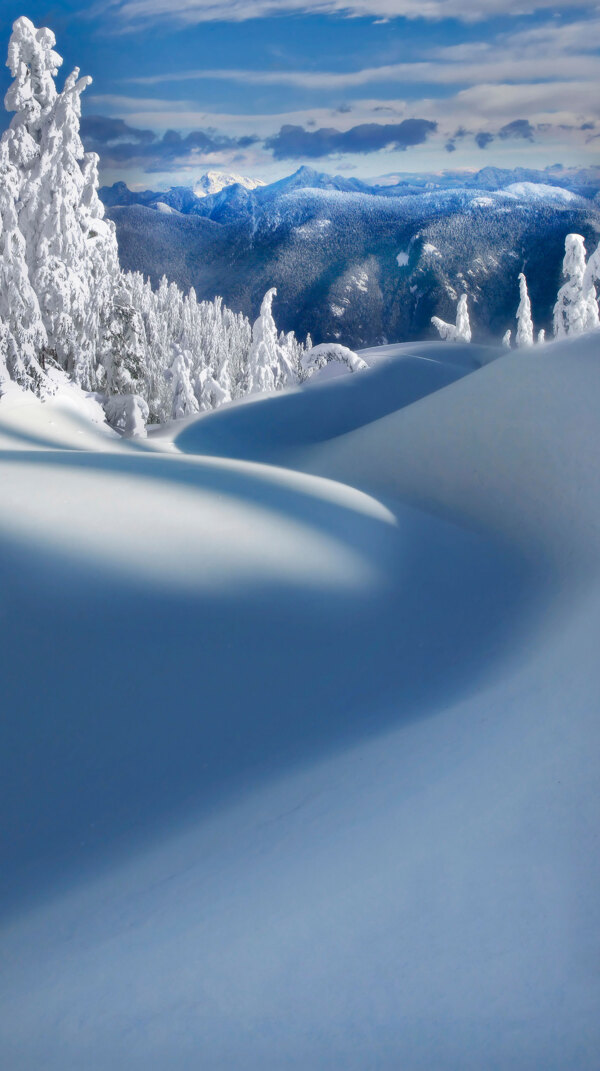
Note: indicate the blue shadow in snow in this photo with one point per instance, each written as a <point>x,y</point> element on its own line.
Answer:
<point>262,430</point>
<point>125,706</point>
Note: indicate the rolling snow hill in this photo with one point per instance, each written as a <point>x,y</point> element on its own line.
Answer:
<point>300,759</point>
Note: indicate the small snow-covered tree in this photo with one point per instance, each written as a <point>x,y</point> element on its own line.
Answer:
<point>576,308</point>
<point>461,330</point>
<point>506,337</point>
<point>270,365</point>
<point>327,353</point>
<point>124,369</point>
<point>524,321</point>
<point>128,413</point>
<point>541,337</point>
<point>184,399</point>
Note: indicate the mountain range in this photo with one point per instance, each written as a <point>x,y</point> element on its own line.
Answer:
<point>359,264</point>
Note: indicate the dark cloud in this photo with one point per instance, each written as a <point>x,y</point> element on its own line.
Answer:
<point>483,139</point>
<point>450,146</point>
<point>587,126</point>
<point>519,128</point>
<point>119,144</point>
<point>296,142</point>
<point>101,130</point>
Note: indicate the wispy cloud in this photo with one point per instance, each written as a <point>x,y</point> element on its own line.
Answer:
<point>132,12</point>
<point>438,72</point>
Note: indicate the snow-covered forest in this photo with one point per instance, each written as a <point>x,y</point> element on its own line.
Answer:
<point>66,305</point>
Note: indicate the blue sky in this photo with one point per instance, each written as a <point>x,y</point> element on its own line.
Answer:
<point>363,87</point>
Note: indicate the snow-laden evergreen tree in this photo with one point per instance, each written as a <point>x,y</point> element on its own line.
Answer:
<point>576,308</point>
<point>541,337</point>
<point>23,339</point>
<point>270,363</point>
<point>461,330</point>
<point>70,251</point>
<point>506,337</point>
<point>591,278</point>
<point>184,399</point>
<point>124,367</point>
<point>524,335</point>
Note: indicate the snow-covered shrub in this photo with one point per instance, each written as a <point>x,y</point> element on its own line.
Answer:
<point>328,352</point>
<point>128,413</point>
<point>461,330</point>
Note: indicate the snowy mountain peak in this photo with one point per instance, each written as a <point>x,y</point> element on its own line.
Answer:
<point>215,181</point>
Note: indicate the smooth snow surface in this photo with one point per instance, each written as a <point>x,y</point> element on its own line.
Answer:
<point>300,759</point>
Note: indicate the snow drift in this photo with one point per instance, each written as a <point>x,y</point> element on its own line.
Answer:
<point>299,762</point>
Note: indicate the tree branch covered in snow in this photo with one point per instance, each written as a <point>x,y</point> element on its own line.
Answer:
<point>327,353</point>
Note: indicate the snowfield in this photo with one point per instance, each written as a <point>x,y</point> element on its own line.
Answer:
<point>299,763</point>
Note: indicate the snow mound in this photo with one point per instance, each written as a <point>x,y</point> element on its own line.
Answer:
<point>299,761</point>
<point>265,429</point>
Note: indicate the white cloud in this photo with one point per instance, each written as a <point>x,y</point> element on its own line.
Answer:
<point>484,106</point>
<point>492,69</point>
<point>195,11</point>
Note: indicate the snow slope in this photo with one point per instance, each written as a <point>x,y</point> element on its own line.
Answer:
<point>300,768</point>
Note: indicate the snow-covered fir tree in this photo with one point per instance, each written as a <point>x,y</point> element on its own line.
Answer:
<point>461,330</point>
<point>69,251</point>
<point>271,361</point>
<point>23,338</point>
<point>524,336</point>
<point>184,399</point>
<point>591,278</point>
<point>576,308</point>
